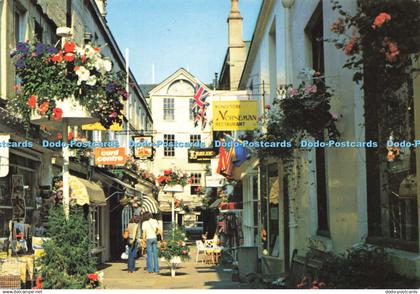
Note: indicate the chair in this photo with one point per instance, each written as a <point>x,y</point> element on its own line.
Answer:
<point>200,249</point>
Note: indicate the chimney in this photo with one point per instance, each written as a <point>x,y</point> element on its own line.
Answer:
<point>236,45</point>
<point>101,6</point>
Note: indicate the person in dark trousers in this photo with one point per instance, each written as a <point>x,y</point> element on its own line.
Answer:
<point>150,229</point>
<point>133,228</point>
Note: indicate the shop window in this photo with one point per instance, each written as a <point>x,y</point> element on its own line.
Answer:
<point>19,25</point>
<point>270,211</point>
<point>391,181</point>
<point>168,149</point>
<point>250,211</point>
<point>95,227</point>
<point>168,109</point>
<point>315,32</point>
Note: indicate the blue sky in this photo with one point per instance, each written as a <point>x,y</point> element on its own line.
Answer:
<point>176,33</point>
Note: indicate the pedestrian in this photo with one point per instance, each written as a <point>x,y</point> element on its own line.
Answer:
<point>133,228</point>
<point>150,228</point>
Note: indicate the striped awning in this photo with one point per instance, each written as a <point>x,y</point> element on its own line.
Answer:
<point>150,204</point>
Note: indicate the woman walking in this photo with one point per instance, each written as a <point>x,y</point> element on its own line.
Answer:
<point>133,228</point>
<point>150,228</point>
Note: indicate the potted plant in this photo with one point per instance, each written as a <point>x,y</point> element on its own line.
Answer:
<point>74,83</point>
<point>174,250</point>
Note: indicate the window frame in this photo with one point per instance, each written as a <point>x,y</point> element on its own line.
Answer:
<point>169,109</point>
<point>168,151</point>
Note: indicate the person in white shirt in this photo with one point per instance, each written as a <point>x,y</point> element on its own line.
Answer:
<point>150,228</point>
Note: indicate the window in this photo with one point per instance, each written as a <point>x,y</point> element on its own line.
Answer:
<point>168,145</point>
<point>316,36</point>
<point>39,32</point>
<point>95,228</point>
<point>19,26</point>
<point>391,184</point>
<point>168,109</point>
<point>250,211</point>
<point>270,210</point>
<point>195,182</point>
<point>190,109</point>
<point>195,139</point>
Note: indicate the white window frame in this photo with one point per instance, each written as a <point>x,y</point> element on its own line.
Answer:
<point>169,109</point>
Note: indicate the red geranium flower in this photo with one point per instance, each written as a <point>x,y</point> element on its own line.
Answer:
<point>32,101</point>
<point>59,136</point>
<point>70,136</point>
<point>380,20</point>
<point>43,108</point>
<point>57,113</point>
<point>69,57</point>
<point>69,47</point>
<point>58,57</point>
<point>167,172</point>
<point>93,277</point>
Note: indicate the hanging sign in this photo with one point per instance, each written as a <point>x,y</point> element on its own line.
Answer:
<point>110,156</point>
<point>203,155</point>
<point>143,147</point>
<point>215,181</point>
<point>4,156</point>
<point>235,115</point>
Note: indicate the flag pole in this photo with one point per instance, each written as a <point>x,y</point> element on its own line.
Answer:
<point>127,111</point>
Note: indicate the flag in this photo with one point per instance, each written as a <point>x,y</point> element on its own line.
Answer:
<point>199,107</point>
<point>241,154</point>
<point>226,156</point>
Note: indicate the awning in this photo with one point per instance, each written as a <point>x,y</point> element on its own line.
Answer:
<point>86,192</point>
<point>129,190</point>
<point>150,204</point>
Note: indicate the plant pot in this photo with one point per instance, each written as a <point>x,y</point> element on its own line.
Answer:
<point>173,188</point>
<point>173,263</point>
<point>73,114</point>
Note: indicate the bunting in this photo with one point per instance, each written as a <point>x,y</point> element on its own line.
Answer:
<point>199,107</point>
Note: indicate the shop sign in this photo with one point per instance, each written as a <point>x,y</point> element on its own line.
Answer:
<point>4,156</point>
<point>235,115</point>
<point>110,156</point>
<point>202,155</point>
<point>143,147</point>
<point>214,181</point>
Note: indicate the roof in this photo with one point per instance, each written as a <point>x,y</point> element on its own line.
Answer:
<point>145,89</point>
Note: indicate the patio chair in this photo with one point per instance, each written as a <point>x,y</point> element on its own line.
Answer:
<point>200,249</point>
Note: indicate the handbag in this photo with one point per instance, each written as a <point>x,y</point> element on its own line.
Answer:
<point>158,236</point>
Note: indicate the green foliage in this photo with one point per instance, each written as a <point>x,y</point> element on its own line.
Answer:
<point>67,260</point>
<point>299,112</point>
<point>175,245</point>
<point>48,75</point>
<point>364,267</point>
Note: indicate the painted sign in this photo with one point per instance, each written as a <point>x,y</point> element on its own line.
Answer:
<point>203,155</point>
<point>143,147</point>
<point>235,115</point>
<point>110,156</point>
<point>215,181</point>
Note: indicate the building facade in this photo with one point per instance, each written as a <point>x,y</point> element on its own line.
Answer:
<point>327,201</point>
<point>26,20</point>
<point>171,103</point>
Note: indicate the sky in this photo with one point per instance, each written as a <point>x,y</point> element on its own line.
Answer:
<point>176,33</point>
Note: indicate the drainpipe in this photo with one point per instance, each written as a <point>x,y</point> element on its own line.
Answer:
<point>288,5</point>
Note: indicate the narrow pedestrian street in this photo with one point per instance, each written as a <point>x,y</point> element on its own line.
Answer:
<point>190,275</point>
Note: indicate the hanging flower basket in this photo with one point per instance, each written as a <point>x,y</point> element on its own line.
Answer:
<point>75,114</point>
<point>75,84</point>
<point>173,188</point>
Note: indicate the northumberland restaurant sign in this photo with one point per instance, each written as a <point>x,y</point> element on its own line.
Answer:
<point>110,156</point>
<point>235,115</point>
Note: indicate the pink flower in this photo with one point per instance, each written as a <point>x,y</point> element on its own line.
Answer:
<point>311,89</point>
<point>338,26</point>
<point>351,46</point>
<point>334,116</point>
<point>268,106</point>
<point>292,92</point>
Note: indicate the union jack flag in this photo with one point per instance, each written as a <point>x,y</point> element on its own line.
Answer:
<point>200,105</point>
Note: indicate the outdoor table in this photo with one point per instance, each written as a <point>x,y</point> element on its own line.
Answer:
<point>22,266</point>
